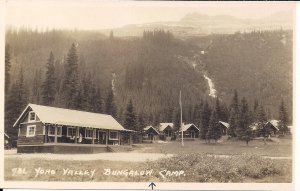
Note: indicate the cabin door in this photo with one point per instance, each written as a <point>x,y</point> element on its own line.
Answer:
<point>151,136</point>
<point>101,137</point>
<point>192,134</point>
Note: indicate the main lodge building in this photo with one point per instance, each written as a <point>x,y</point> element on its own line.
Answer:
<point>57,130</point>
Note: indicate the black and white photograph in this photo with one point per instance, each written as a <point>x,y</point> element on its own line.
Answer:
<point>148,92</point>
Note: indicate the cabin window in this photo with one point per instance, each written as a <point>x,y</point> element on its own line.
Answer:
<point>88,133</point>
<point>31,116</point>
<point>113,135</point>
<point>51,131</point>
<point>71,132</point>
<point>30,131</point>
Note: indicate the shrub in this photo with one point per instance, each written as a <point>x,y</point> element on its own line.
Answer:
<point>208,168</point>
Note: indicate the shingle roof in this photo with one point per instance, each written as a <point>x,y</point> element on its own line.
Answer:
<point>187,126</point>
<point>162,126</point>
<point>70,117</point>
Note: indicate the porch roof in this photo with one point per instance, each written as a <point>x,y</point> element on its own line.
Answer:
<point>70,117</point>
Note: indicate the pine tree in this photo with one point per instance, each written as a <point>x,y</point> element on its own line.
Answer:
<point>156,119</point>
<point>7,68</point>
<point>213,132</point>
<point>36,95</point>
<point>283,119</point>
<point>17,100</point>
<point>197,114</point>
<point>261,115</point>
<point>255,110</point>
<point>205,117</point>
<point>176,119</point>
<point>234,115</point>
<point>218,110</point>
<point>48,86</point>
<point>110,105</point>
<point>71,82</point>
<point>233,124</point>
<point>96,101</point>
<point>130,119</point>
<point>244,131</point>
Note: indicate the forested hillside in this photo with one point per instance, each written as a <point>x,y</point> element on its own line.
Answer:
<point>92,72</point>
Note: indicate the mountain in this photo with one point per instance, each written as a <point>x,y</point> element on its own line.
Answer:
<point>197,24</point>
<point>152,69</point>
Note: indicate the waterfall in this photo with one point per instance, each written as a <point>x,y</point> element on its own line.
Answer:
<point>212,90</point>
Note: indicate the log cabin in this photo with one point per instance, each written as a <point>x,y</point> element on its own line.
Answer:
<point>166,131</point>
<point>224,127</point>
<point>58,130</point>
<point>150,134</point>
<point>190,132</point>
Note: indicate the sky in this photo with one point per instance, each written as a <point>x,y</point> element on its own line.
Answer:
<point>96,14</point>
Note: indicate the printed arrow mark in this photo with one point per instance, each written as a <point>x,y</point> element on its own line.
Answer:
<point>152,184</point>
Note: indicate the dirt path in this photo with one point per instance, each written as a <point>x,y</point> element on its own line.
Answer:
<point>129,157</point>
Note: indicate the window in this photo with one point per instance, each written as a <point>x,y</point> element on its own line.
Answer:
<point>30,131</point>
<point>71,132</point>
<point>113,135</point>
<point>51,131</point>
<point>31,116</point>
<point>88,133</point>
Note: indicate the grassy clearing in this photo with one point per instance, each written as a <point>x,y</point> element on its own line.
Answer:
<point>196,168</point>
<point>277,148</point>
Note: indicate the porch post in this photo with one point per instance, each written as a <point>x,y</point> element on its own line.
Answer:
<point>119,137</point>
<point>55,134</point>
<point>130,138</point>
<point>76,135</point>
<point>93,138</point>
<point>46,133</point>
<point>106,137</point>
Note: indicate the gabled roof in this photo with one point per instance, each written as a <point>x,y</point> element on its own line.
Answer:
<point>274,123</point>
<point>70,117</point>
<point>149,127</point>
<point>225,124</point>
<point>187,126</point>
<point>6,135</point>
<point>163,126</point>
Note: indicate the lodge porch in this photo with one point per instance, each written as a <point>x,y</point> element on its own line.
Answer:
<point>70,148</point>
<point>85,135</point>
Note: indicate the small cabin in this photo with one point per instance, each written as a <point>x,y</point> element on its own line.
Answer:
<point>166,131</point>
<point>150,134</point>
<point>190,132</point>
<point>273,125</point>
<point>7,144</point>
<point>224,127</point>
<point>51,129</point>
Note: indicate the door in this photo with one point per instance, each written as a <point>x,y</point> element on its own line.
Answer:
<point>192,134</point>
<point>101,137</point>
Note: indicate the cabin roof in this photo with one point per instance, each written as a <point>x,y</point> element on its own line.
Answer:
<point>163,126</point>
<point>274,123</point>
<point>6,135</point>
<point>187,126</point>
<point>149,127</point>
<point>225,124</point>
<point>70,117</point>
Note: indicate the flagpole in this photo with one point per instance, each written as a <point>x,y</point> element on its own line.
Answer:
<point>182,144</point>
